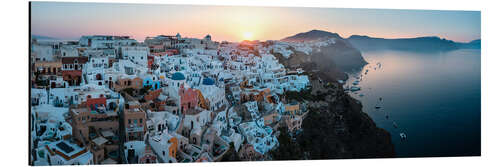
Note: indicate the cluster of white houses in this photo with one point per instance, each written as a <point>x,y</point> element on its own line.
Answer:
<point>111,99</point>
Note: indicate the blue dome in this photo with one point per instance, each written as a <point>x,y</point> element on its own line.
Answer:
<point>208,81</point>
<point>178,76</point>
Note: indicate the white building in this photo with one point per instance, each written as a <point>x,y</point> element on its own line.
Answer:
<point>213,94</point>
<point>69,51</point>
<point>105,41</point>
<point>160,145</point>
<point>65,153</point>
<point>43,52</point>
<point>136,54</point>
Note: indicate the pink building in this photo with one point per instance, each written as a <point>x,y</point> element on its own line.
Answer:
<point>189,98</point>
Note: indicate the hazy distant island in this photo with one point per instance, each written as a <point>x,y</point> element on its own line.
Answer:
<point>41,37</point>
<point>424,44</point>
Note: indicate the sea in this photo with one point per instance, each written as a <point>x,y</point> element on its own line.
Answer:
<point>434,98</point>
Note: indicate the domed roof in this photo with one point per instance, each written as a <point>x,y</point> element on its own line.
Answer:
<point>178,76</point>
<point>208,81</point>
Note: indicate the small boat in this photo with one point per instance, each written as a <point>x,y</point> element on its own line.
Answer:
<point>355,88</point>
<point>394,124</point>
<point>377,107</point>
<point>403,136</point>
<point>361,95</point>
<point>386,116</point>
<point>380,98</point>
<point>355,82</point>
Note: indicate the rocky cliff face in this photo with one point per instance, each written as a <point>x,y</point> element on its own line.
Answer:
<point>342,54</point>
<point>335,128</point>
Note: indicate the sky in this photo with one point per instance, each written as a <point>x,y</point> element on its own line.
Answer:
<point>235,23</point>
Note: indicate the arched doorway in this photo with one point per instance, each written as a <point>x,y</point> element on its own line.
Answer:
<point>112,106</point>
<point>78,80</point>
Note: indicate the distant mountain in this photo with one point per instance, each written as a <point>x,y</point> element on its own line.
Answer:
<point>311,35</point>
<point>427,44</point>
<point>34,36</point>
<point>475,44</point>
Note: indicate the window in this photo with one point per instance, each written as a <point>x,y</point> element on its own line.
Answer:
<point>140,120</point>
<point>129,121</point>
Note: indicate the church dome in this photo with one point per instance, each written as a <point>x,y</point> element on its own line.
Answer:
<point>208,81</point>
<point>178,76</point>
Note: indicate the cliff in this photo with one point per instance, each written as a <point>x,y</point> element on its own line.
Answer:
<point>332,60</point>
<point>335,128</point>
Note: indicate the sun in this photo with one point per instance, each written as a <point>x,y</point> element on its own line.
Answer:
<point>247,35</point>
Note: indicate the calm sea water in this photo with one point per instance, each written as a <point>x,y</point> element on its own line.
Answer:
<point>435,98</point>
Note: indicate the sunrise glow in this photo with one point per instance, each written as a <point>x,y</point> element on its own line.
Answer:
<point>247,36</point>
<point>244,23</point>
